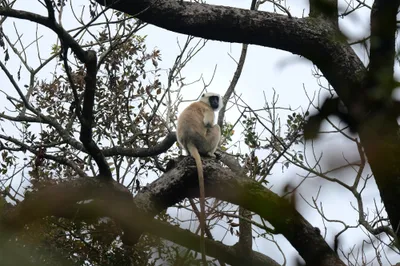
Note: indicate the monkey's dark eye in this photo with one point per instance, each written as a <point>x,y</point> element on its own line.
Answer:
<point>203,95</point>
<point>214,102</point>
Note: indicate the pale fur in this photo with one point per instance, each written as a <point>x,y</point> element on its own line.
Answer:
<point>197,133</point>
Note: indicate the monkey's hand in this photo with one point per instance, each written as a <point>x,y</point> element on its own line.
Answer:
<point>208,125</point>
<point>212,155</point>
<point>208,120</point>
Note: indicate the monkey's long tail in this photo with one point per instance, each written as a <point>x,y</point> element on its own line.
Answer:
<point>195,154</point>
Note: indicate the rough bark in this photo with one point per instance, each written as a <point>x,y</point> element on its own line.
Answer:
<point>245,243</point>
<point>314,38</point>
<point>223,184</point>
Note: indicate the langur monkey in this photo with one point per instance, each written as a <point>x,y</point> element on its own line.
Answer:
<point>197,133</point>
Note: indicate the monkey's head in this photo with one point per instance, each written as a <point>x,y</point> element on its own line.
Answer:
<point>212,99</point>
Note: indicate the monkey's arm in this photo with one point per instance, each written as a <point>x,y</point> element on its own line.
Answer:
<point>208,119</point>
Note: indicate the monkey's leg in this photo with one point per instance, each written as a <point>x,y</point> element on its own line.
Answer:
<point>213,137</point>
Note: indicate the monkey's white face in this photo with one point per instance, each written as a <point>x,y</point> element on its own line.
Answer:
<point>214,100</point>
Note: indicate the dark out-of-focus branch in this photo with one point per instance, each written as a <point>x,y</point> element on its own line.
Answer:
<point>382,50</point>
<point>325,9</point>
<point>115,202</point>
<point>379,132</point>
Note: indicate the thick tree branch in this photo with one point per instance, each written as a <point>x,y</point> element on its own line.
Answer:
<point>315,39</point>
<point>157,149</point>
<point>87,117</point>
<point>382,50</point>
<point>166,191</point>
<point>56,200</point>
<point>223,184</point>
<point>115,202</point>
<point>245,231</point>
<point>379,134</point>
<point>50,10</point>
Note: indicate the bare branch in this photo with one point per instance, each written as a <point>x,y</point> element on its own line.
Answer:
<point>157,149</point>
<point>34,150</point>
<point>62,34</point>
<point>232,85</point>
